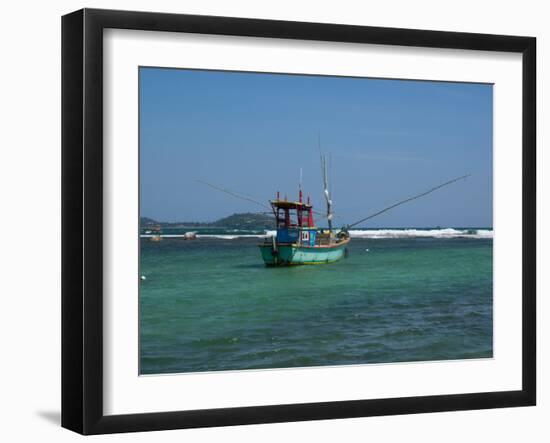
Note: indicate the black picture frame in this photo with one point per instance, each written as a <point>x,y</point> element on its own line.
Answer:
<point>82,215</point>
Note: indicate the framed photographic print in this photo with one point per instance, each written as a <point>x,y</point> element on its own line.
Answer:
<point>269,221</point>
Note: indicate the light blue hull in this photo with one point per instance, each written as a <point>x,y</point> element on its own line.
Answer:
<point>292,254</point>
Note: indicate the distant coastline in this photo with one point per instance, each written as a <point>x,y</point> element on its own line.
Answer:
<point>254,221</point>
<point>245,220</point>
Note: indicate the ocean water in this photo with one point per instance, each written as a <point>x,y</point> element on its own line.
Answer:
<point>211,305</point>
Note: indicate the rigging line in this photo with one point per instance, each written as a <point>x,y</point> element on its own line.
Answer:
<point>234,194</point>
<point>408,200</point>
<point>323,216</point>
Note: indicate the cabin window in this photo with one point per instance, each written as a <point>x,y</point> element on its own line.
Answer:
<point>293,217</point>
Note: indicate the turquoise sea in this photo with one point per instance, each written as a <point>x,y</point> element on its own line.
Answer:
<point>402,295</point>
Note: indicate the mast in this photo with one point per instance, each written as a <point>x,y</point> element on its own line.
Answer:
<point>300,194</point>
<point>326,192</point>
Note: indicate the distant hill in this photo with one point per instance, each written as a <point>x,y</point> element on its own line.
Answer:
<point>247,220</point>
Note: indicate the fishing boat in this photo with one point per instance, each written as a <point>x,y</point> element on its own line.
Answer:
<point>298,241</point>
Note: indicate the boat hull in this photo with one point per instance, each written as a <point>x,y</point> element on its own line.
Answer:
<point>294,255</point>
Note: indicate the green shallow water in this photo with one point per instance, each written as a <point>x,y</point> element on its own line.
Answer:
<point>211,305</point>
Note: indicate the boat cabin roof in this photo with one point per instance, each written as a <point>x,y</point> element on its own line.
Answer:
<point>284,204</point>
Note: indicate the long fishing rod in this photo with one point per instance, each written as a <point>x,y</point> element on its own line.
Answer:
<point>408,200</point>
<point>234,194</point>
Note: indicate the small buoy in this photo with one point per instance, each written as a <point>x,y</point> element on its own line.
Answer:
<point>366,250</point>
<point>143,277</point>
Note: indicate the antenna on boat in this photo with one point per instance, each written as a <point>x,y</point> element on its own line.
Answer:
<point>326,191</point>
<point>408,200</point>
<point>300,186</point>
<point>234,194</point>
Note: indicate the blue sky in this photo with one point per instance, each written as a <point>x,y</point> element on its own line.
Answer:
<point>252,132</point>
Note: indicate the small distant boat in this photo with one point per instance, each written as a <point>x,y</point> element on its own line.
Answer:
<point>191,235</point>
<point>156,234</point>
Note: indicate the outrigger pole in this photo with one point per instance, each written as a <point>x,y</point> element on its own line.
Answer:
<point>234,194</point>
<point>407,200</point>
<point>245,197</point>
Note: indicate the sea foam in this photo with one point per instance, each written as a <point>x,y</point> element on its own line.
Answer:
<point>421,233</point>
<point>364,233</point>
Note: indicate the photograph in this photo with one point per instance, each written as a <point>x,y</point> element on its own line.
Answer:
<point>299,220</point>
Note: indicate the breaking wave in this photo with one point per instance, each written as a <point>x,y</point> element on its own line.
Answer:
<point>231,237</point>
<point>422,233</point>
<point>219,236</point>
<point>234,236</point>
<point>361,233</point>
